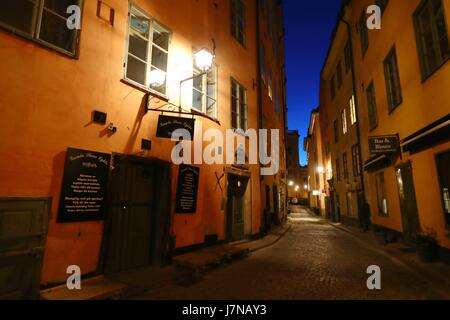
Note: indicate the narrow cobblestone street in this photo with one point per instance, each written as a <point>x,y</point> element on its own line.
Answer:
<point>314,260</point>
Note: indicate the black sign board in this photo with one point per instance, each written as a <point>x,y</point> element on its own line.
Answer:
<point>84,183</point>
<point>167,125</point>
<point>187,189</point>
<point>384,145</point>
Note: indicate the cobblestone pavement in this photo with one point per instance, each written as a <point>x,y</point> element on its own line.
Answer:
<point>314,260</point>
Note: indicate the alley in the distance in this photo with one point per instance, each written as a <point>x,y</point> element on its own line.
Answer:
<point>314,260</point>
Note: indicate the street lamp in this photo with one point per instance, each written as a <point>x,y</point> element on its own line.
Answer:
<point>320,169</point>
<point>291,183</point>
<point>203,59</point>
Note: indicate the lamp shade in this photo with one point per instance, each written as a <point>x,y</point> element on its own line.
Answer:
<point>203,59</point>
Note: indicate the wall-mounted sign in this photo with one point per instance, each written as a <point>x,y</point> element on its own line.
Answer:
<point>84,184</point>
<point>167,125</point>
<point>384,145</point>
<point>187,189</point>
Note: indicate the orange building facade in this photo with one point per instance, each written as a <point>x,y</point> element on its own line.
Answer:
<point>130,61</point>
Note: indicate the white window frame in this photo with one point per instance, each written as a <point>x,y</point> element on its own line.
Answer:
<point>344,121</point>
<point>353,118</point>
<point>36,23</point>
<point>204,92</point>
<point>238,113</point>
<point>152,22</point>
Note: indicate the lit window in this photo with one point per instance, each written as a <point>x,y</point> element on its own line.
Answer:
<point>269,83</point>
<point>381,194</point>
<point>204,93</point>
<point>238,106</point>
<point>442,161</point>
<point>45,21</point>
<point>352,110</point>
<point>148,45</point>
<point>344,121</point>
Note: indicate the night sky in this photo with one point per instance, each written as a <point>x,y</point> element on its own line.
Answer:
<point>309,25</point>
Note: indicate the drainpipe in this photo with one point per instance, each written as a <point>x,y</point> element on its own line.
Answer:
<point>358,133</point>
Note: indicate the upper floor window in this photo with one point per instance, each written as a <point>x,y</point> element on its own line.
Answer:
<point>372,106</point>
<point>391,73</point>
<point>204,94</point>
<point>147,52</point>
<point>238,21</point>
<point>262,60</point>
<point>336,131</point>
<point>45,21</point>
<point>432,36</point>
<point>344,121</point>
<point>356,164</point>
<point>363,33</point>
<point>382,4</point>
<point>338,170</point>
<point>269,83</point>
<point>352,105</point>
<point>339,74</point>
<point>238,106</point>
<point>348,56</point>
<point>345,165</point>
<point>332,87</point>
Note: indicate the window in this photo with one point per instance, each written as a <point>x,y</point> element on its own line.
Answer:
<point>345,165</point>
<point>432,36</point>
<point>238,21</point>
<point>44,21</point>
<point>348,56</point>
<point>353,118</point>
<point>338,170</point>
<point>269,83</point>
<point>262,57</point>
<point>148,45</point>
<point>382,4</point>
<point>391,74</point>
<point>339,74</point>
<point>238,106</point>
<point>442,161</point>
<point>336,131</point>
<point>372,106</point>
<point>363,33</point>
<point>356,161</point>
<point>204,95</point>
<point>381,194</point>
<point>344,121</point>
<point>332,87</point>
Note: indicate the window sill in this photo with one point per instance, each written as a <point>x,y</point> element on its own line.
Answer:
<point>144,89</point>
<point>395,107</point>
<point>425,78</point>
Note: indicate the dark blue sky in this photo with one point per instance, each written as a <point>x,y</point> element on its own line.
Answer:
<point>309,25</point>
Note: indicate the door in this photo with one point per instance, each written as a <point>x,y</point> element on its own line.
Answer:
<point>23,230</point>
<point>131,217</point>
<point>408,205</point>
<point>237,187</point>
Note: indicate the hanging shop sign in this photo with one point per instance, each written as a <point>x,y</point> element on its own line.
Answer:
<point>384,145</point>
<point>83,191</point>
<point>167,125</point>
<point>187,189</point>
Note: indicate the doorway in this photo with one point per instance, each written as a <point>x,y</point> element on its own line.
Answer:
<point>23,231</point>
<point>408,204</point>
<point>237,186</point>
<point>138,227</point>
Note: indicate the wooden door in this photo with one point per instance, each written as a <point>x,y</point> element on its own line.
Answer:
<point>23,230</point>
